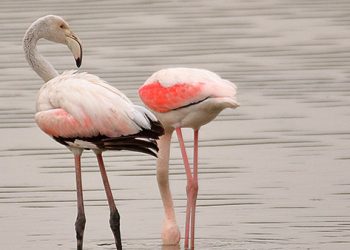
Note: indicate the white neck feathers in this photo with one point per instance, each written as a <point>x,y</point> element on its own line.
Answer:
<point>38,63</point>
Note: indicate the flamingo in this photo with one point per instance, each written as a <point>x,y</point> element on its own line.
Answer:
<point>81,111</point>
<point>183,98</point>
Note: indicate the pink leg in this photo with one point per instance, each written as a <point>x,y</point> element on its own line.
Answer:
<point>195,185</point>
<point>114,220</point>
<point>81,220</point>
<point>189,184</point>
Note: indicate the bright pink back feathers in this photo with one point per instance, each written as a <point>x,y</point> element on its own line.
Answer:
<point>172,88</point>
<point>163,99</point>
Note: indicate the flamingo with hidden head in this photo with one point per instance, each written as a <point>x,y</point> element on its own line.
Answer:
<point>180,98</point>
<point>81,111</point>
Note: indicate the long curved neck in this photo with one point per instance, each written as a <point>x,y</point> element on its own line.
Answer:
<point>38,63</point>
<point>163,175</point>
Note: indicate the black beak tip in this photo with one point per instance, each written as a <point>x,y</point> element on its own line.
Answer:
<point>78,62</point>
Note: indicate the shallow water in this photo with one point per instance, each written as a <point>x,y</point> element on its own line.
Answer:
<point>274,174</point>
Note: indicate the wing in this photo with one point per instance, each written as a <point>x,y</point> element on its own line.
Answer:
<point>173,88</point>
<point>83,105</point>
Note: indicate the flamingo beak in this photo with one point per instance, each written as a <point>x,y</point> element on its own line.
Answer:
<point>74,44</point>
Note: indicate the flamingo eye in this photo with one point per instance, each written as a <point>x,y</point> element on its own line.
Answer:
<point>62,26</point>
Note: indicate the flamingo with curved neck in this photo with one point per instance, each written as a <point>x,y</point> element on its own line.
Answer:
<point>81,111</point>
<point>184,98</point>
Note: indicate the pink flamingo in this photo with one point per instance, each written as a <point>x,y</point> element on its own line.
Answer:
<point>183,97</point>
<point>81,111</point>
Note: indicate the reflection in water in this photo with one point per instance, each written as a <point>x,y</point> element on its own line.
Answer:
<point>164,247</point>
<point>274,172</point>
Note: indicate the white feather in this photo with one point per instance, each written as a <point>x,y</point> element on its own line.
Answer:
<point>86,96</point>
<point>171,76</point>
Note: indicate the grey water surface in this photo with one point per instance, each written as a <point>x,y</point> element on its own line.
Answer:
<point>274,173</point>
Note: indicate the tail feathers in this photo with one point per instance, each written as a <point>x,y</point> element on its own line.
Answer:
<point>143,141</point>
<point>117,142</point>
<point>154,132</point>
<point>143,117</point>
<point>151,149</point>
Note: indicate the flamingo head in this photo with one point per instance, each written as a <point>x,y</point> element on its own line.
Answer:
<point>56,29</point>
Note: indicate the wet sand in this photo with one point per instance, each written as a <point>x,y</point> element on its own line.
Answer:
<point>274,174</point>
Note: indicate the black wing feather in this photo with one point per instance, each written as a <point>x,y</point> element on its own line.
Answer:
<point>143,141</point>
